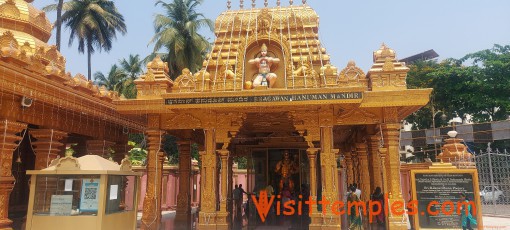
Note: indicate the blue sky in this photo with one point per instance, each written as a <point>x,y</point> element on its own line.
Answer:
<point>349,30</point>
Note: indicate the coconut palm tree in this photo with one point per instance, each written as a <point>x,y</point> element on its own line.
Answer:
<point>94,23</point>
<point>176,32</point>
<point>114,81</point>
<point>132,65</point>
<point>58,23</point>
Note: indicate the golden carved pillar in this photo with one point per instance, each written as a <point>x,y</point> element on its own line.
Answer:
<point>8,144</point>
<point>183,214</point>
<point>151,216</point>
<point>391,140</point>
<point>47,146</point>
<point>364,183</point>
<point>222,217</point>
<point>349,167</point>
<point>383,152</point>
<point>312,156</point>
<point>375,160</point>
<point>355,166</point>
<point>99,147</point>
<point>207,214</point>
<point>230,184</point>
<point>329,185</point>
<point>316,217</point>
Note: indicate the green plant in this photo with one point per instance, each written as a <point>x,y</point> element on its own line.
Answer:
<point>138,156</point>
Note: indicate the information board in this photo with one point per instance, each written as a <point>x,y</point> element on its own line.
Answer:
<point>440,188</point>
<point>61,205</point>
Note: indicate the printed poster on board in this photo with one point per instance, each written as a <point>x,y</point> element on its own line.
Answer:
<point>89,195</point>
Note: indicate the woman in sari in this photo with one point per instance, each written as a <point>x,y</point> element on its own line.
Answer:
<point>354,213</point>
<point>467,219</point>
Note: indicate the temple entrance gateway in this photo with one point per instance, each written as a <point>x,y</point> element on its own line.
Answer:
<point>265,168</point>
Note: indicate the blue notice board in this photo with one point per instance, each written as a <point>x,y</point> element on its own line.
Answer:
<point>89,195</point>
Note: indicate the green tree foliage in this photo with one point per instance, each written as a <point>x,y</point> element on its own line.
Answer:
<point>477,85</point>
<point>132,66</point>
<point>177,33</point>
<point>121,79</point>
<point>242,162</point>
<point>491,80</point>
<point>114,81</point>
<point>138,156</point>
<point>94,23</point>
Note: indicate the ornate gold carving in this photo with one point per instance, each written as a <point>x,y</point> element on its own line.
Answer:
<point>153,121</point>
<point>183,121</point>
<point>388,65</point>
<point>26,47</point>
<point>155,82</point>
<point>390,115</point>
<point>9,9</point>
<point>352,76</point>
<point>7,40</point>
<point>387,73</point>
<point>185,82</point>
<point>356,116</point>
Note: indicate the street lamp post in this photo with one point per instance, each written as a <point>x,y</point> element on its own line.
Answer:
<point>443,117</point>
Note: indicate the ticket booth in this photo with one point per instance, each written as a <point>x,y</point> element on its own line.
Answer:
<point>86,193</point>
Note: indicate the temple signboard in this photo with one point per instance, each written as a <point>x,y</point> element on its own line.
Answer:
<point>265,98</point>
<point>437,193</point>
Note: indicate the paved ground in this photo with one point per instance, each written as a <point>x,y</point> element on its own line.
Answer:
<point>492,223</point>
<point>489,222</point>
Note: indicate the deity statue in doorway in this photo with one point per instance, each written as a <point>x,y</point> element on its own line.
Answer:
<point>264,64</point>
<point>286,168</point>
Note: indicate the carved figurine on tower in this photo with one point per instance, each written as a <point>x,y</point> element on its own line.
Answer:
<point>264,63</point>
<point>286,168</point>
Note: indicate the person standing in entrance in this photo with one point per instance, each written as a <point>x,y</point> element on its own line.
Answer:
<point>239,203</point>
<point>236,193</point>
<point>355,222</point>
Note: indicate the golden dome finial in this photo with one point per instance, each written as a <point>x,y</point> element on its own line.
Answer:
<point>241,4</point>
<point>277,2</point>
<point>265,3</point>
<point>253,4</point>
<point>304,2</point>
<point>228,4</point>
<point>263,47</point>
<point>291,2</point>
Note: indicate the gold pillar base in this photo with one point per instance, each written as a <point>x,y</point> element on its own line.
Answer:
<point>326,222</point>
<point>316,221</point>
<point>206,221</point>
<point>331,222</point>
<point>222,220</point>
<point>398,222</point>
<point>150,219</point>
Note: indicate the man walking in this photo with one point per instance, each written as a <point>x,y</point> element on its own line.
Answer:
<point>237,198</point>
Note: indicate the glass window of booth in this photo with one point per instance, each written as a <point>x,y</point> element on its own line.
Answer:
<point>66,195</point>
<point>120,194</point>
